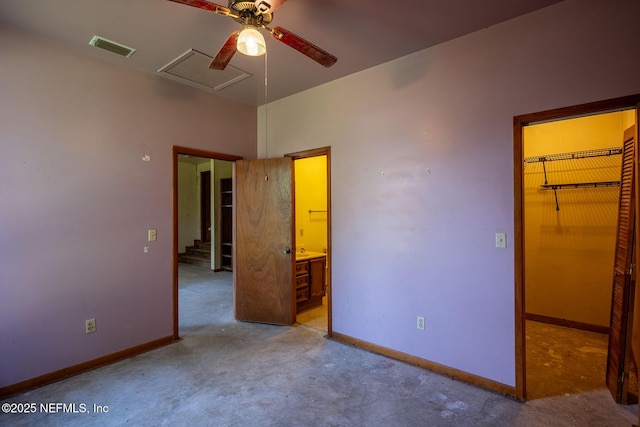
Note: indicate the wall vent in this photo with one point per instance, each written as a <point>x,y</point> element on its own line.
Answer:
<point>112,46</point>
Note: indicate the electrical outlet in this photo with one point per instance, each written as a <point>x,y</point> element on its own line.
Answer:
<point>146,249</point>
<point>90,325</point>
<point>420,323</point>
<point>501,240</point>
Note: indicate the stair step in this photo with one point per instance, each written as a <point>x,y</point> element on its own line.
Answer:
<point>195,260</point>
<point>190,250</point>
<point>198,254</point>
<point>200,244</point>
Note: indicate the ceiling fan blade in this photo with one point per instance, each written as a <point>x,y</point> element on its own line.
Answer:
<point>225,53</point>
<point>268,6</point>
<point>301,45</point>
<point>201,4</point>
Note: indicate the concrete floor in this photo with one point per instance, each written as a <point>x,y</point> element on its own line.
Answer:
<point>564,360</point>
<point>228,373</point>
<point>315,317</point>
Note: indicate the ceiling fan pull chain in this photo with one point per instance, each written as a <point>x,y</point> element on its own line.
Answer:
<point>266,107</point>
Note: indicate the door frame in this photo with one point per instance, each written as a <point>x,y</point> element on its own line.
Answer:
<point>599,107</point>
<point>176,151</point>
<point>315,152</point>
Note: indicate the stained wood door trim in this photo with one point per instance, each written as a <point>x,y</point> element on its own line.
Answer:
<point>176,151</point>
<point>635,301</point>
<point>323,151</point>
<point>610,105</point>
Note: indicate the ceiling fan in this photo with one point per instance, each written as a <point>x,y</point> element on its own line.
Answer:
<point>254,15</point>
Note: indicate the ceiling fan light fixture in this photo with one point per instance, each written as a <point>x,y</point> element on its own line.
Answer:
<point>251,42</point>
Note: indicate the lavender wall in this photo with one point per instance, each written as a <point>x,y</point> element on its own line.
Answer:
<point>77,200</point>
<point>422,173</point>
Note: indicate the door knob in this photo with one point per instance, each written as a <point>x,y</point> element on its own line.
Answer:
<point>286,250</point>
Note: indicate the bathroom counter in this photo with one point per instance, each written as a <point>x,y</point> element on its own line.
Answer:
<point>303,256</point>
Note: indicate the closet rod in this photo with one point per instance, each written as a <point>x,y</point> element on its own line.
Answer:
<point>600,152</point>
<point>581,185</point>
<point>312,211</point>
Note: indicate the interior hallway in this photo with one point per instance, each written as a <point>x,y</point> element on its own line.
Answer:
<point>228,373</point>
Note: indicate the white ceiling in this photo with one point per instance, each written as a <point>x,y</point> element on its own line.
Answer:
<point>360,33</point>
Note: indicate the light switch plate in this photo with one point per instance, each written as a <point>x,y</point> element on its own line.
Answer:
<point>152,235</point>
<point>501,240</point>
<point>90,325</point>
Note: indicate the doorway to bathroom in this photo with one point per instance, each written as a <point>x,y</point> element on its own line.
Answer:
<point>313,237</point>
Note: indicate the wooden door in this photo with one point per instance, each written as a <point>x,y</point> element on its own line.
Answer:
<point>263,259</point>
<point>618,357</point>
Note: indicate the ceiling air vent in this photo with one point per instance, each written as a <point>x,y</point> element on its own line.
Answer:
<point>112,46</point>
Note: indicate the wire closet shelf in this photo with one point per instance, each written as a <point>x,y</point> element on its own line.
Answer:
<point>574,155</point>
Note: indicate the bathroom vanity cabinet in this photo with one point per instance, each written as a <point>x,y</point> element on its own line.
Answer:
<point>310,280</point>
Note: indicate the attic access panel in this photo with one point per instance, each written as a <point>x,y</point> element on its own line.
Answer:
<point>192,68</point>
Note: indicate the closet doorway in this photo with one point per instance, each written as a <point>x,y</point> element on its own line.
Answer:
<point>568,166</point>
